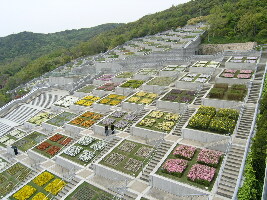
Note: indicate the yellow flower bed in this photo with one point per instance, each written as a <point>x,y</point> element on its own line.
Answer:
<point>40,196</point>
<point>55,186</point>
<point>43,178</point>
<point>134,99</point>
<point>114,102</point>
<point>104,101</point>
<point>141,94</point>
<point>146,101</point>
<point>112,99</point>
<point>24,193</point>
<point>87,101</point>
<point>112,96</point>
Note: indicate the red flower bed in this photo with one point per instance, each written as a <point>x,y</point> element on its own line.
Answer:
<point>66,141</point>
<point>43,146</point>
<point>53,150</point>
<point>56,137</point>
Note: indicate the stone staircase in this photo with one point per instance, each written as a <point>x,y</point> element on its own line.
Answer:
<point>71,184</point>
<point>178,129</point>
<point>129,195</point>
<point>201,94</point>
<point>260,72</point>
<point>245,123</point>
<point>230,173</point>
<point>160,152</point>
<point>254,92</point>
<point>140,115</point>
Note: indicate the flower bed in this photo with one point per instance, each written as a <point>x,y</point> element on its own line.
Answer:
<point>53,145</point>
<point>132,84</point>
<point>240,74</point>
<point>241,59</point>
<point>86,120</point>
<point>12,176</point>
<point>44,186</point>
<point>66,101</point>
<point>142,98</point>
<point>112,99</point>
<point>194,77</point>
<point>3,164</point>
<point>207,118</point>
<point>125,75</point>
<point>179,68</point>
<point>128,157</point>
<point>159,121</point>
<point>179,96</point>
<point>108,86</point>
<point>87,89</point>
<point>29,141</point>
<point>61,119</point>
<point>106,77</point>
<point>161,81</point>
<point>84,150</point>
<point>148,71</point>
<point>87,101</point>
<point>197,167</point>
<point>11,137</point>
<point>236,92</point>
<point>87,191</point>
<point>211,64</point>
<point>40,118</point>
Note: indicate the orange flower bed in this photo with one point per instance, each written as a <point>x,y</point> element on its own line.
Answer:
<point>53,150</point>
<point>66,141</point>
<point>43,146</point>
<point>88,114</point>
<point>87,123</point>
<point>97,116</point>
<point>77,121</point>
<point>56,137</point>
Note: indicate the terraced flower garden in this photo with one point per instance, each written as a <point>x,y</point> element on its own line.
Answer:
<point>161,81</point>
<point>87,89</point>
<point>129,157</point>
<point>11,137</point>
<point>132,84</point>
<point>142,98</point>
<point>87,191</point>
<point>193,77</point>
<point>112,99</point>
<point>29,141</point>
<point>44,186</point>
<point>193,166</point>
<point>222,121</point>
<point>119,119</point>
<point>180,96</point>
<point>86,120</point>
<point>236,92</point>
<point>84,151</point>
<point>87,101</point>
<point>61,119</point>
<point>53,145</point>
<point>40,118</point>
<point>11,176</point>
<point>159,121</point>
<point>233,73</point>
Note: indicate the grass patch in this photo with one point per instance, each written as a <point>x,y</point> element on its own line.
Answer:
<point>87,89</point>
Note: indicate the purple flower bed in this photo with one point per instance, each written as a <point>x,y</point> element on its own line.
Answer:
<point>121,124</point>
<point>175,166</point>
<point>118,114</point>
<point>243,76</point>
<point>184,151</point>
<point>108,86</point>
<point>201,174</point>
<point>246,71</point>
<point>232,73</point>
<point>209,157</point>
<point>129,117</point>
<point>228,75</point>
<point>180,96</point>
<point>108,121</point>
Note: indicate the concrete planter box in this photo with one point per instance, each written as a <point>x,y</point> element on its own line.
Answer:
<point>101,93</point>
<point>36,156</point>
<point>78,108</point>
<point>154,88</point>
<point>132,106</point>
<point>174,187</point>
<point>68,164</point>
<point>169,73</point>
<point>124,91</point>
<point>231,81</point>
<point>201,136</point>
<point>146,133</point>
<point>202,70</point>
<point>218,103</point>
<point>74,129</point>
<point>171,106</point>
<point>57,109</point>
<point>102,108</point>
<point>29,125</point>
<point>189,85</point>
<point>239,66</point>
<point>49,127</point>
<point>110,173</point>
<point>80,94</point>
<point>100,130</point>
<point>141,77</point>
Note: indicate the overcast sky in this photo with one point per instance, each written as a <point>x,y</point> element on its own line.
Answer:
<point>48,16</point>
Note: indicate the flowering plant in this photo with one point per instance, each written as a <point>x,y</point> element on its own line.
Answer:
<point>55,186</point>
<point>147,122</point>
<point>86,140</point>
<point>43,178</point>
<point>121,124</point>
<point>73,150</point>
<point>209,157</point>
<point>98,146</point>
<point>108,121</point>
<point>25,192</point>
<point>201,174</point>
<point>175,166</point>
<point>86,156</point>
<point>165,125</point>
<point>66,101</point>
<point>184,151</point>
<point>156,114</point>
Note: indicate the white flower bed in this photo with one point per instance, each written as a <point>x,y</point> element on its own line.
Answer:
<point>73,150</point>
<point>66,101</point>
<point>9,142</point>
<point>98,145</point>
<point>17,133</point>
<point>86,156</point>
<point>86,140</point>
<point>4,139</point>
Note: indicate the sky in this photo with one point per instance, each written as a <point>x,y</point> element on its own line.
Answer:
<point>49,16</point>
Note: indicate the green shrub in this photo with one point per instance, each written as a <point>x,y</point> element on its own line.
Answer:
<point>235,95</point>
<point>221,85</point>
<point>227,112</point>
<point>216,93</point>
<point>239,87</point>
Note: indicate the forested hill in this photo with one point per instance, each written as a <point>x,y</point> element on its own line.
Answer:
<point>229,20</point>
<point>34,45</point>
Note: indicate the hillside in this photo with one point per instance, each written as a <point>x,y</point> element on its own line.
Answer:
<point>229,21</point>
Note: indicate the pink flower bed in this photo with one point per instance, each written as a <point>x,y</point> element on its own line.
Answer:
<point>246,71</point>
<point>228,75</point>
<point>201,174</point>
<point>232,71</point>
<point>243,76</point>
<point>176,166</point>
<point>185,151</point>
<point>209,157</point>
<point>108,86</point>
<point>106,77</point>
